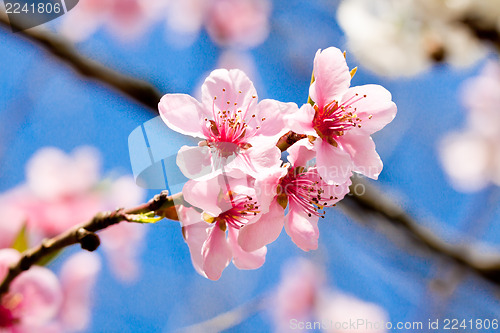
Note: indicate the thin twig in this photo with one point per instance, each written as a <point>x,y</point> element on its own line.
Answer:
<point>85,234</point>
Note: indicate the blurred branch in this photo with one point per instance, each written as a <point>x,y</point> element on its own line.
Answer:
<point>139,90</point>
<point>482,30</point>
<point>85,234</point>
<point>373,202</point>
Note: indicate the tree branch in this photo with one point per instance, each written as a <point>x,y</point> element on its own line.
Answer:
<point>138,90</point>
<point>85,234</point>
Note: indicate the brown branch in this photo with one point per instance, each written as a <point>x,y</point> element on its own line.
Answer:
<point>85,234</point>
<point>139,90</point>
<point>372,202</point>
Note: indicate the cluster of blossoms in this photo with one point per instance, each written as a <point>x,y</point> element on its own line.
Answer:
<point>40,301</point>
<point>471,157</point>
<point>240,189</point>
<point>237,23</point>
<point>303,302</point>
<point>62,191</point>
<point>405,37</point>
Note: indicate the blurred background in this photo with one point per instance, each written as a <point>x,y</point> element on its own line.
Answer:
<point>441,153</point>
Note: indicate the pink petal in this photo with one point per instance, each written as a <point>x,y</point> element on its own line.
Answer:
<point>274,114</point>
<point>204,195</point>
<point>41,295</point>
<point>266,186</point>
<point>301,228</point>
<point>301,122</point>
<point>255,159</point>
<point>183,114</point>
<point>333,164</point>
<point>263,231</point>
<point>243,259</point>
<point>301,152</point>
<point>331,76</point>
<point>216,253</point>
<point>195,235</point>
<point>196,163</point>
<point>231,86</point>
<point>78,276</point>
<point>376,109</point>
<point>362,150</point>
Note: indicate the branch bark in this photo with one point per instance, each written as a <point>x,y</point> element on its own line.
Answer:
<point>85,234</point>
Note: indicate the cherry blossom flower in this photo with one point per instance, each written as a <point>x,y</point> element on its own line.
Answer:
<point>38,302</point>
<point>64,190</point>
<point>404,38</point>
<point>238,133</point>
<point>235,23</point>
<point>303,296</point>
<point>471,156</point>
<point>340,122</point>
<point>227,205</point>
<point>304,192</point>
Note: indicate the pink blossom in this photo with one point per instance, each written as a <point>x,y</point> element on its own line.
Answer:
<point>227,205</point>
<point>38,302</point>
<point>303,296</point>
<point>340,122</point>
<point>297,293</point>
<point>237,133</point>
<point>305,193</point>
<point>471,156</point>
<point>63,190</point>
<point>236,23</point>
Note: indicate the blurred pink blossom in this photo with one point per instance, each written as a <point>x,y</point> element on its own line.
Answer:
<point>38,302</point>
<point>471,156</point>
<point>238,134</point>
<point>303,297</point>
<point>340,122</point>
<point>235,23</point>
<point>63,190</point>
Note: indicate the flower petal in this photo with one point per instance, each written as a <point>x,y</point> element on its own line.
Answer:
<point>182,113</point>
<point>216,253</point>
<point>331,76</point>
<point>364,156</point>
<point>255,159</point>
<point>223,88</point>
<point>301,121</point>
<point>373,105</point>
<point>195,235</point>
<point>274,114</point>
<point>196,163</point>
<point>333,164</point>
<point>203,194</point>
<point>302,229</point>
<point>243,259</point>
<point>41,295</point>
<point>301,152</point>
<point>263,231</point>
